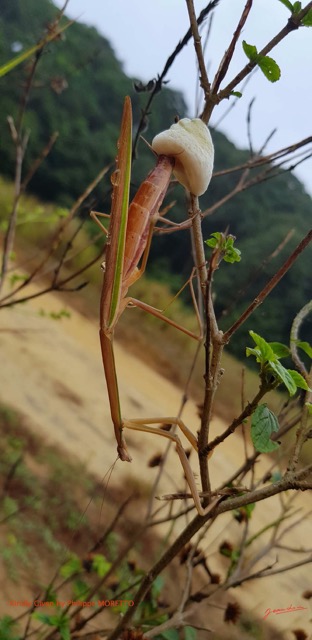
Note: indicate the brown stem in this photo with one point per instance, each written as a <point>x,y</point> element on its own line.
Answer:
<point>160,78</point>
<point>60,286</point>
<point>9,299</point>
<point>292,24</point>
<point>35,166</point>
<point>203,77</point>
<point>225,62</point>
<point>192,528</point>
<point>248,410</point>
<point>10,234</point>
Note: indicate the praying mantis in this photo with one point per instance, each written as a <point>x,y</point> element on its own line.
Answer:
<point>128,242</point>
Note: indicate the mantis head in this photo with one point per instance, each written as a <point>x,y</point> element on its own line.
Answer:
<point>189,143</point>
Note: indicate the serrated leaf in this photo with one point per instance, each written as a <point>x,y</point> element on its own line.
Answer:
<point>211,243</point>
<point>214,239</point>
<point>299,380</point>
<point>270,68</point>
<point>253,352</point>
<point>305,346</point>
<point>287,4</point>
<point>280,350</point>
<point>267,353</point>
<point>307,20</point>
<point>251,51</point>
<point>232,255</point>
<point>263,424</point>
<point>284,376</point>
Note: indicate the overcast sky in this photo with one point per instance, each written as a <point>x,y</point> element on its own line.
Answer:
<point>144,32</point>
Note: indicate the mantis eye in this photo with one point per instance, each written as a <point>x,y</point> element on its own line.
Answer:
<point>189,143</point>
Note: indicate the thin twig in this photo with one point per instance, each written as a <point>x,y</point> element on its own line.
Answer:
<point>293,23</point>
<point>160,79</point>
<point>225,62</point>
<point>269,286</point>
<point>203,77</point>
<point>191,529</point>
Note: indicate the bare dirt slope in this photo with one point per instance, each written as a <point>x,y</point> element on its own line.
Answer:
<point>51,371</point>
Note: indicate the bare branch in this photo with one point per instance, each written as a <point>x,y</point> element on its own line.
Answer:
<point>203,77</point>
<point>270,286</point>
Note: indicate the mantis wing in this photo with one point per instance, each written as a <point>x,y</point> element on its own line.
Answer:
<point>118,222</point>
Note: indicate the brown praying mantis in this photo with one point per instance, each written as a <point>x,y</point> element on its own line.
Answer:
<point>128,242</point>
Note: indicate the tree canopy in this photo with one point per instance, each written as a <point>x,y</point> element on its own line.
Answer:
<point>78,90</point>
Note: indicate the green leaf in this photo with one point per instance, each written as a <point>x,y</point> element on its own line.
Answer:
<point>64,629</point>
<point>299,380</point>
<point>263,424</point>
<point>306,347</point>
<point>296,7</point>
<point>270,68</point>
<point>231,254</point>
<point>251,51</point>
<point>280,350</point>
<point>288,5</point>
<point>266,351</point>
<point>249,509</point>
<point>253,352</point>
<point>284,376</point>
<point>80,589</point>
<point>101,565</point>
<point>8,628</point>
<point>157,587</point>
<point>190,633</point>
<point>307,20</point>
<point>45,618</point>
<point>237,94</point>
<point>214,240</point>
<point>169,634</point>
<point>71,567</point>
<point>225,245</point>
<point>276,476</point>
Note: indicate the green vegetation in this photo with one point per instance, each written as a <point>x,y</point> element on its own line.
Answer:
<point>45,534</point>
<point>43,525</point>
<point>78,91</point>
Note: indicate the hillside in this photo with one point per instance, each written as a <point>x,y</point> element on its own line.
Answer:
<point>53,379</point>
<point>78,90</point>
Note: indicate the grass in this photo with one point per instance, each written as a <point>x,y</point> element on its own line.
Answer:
<point>43,533</point>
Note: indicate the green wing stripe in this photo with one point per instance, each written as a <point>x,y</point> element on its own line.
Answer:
<point>122,202</point>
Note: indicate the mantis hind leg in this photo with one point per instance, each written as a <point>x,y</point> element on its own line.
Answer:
<point>95,215</point>
<point>142,425</point>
